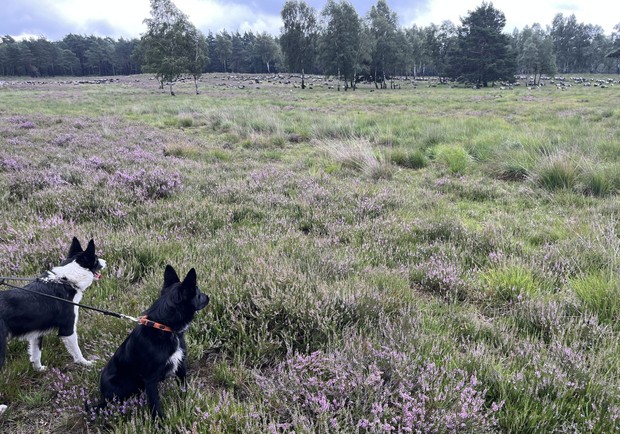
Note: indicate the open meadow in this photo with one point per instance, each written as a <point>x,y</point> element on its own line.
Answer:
<point>428,259</point>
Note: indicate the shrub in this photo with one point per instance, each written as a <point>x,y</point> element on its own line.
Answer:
<point>439,275</point>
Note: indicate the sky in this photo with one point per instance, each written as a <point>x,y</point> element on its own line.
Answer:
<point>54,19</point>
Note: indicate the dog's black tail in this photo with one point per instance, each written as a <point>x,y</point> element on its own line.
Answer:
<point>4,337</point>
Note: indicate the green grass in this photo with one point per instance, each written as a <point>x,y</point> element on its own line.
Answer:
<point>454,157</point>
<point>600,294</point>
<point>365,252</point>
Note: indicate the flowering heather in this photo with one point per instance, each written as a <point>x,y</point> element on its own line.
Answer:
<point>440,275</point>
<point>386,392</point>
<point>27,125</point>
<point>154,184</point>
<point>11,164</point>
<point>22,185</point>
<point>62,139</point>
<point>75,399</point>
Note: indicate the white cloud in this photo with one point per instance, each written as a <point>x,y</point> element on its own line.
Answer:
<point>518,13</point>
<point>125,17</point>
<point>122,17</point>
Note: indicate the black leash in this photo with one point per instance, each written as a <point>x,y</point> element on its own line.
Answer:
<point>25,279</point>
<point>96,309</point>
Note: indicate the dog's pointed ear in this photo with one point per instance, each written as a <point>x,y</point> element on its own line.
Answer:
<point>188,287</point>
<point>170,276</point>
<point>90,248</point>
<point>75,248</point>
<point>190,279</point>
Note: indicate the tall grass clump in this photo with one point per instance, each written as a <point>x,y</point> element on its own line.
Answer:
<point>509,282</point>
<point>432,135</point>
<point>185,121</point>
<point>600,293</point>
<point>511,162</point>
<point>407,158</point>
<point>358,154</point>
<point>454,157</point>
<point>599,180</point>
<point>557,171</point>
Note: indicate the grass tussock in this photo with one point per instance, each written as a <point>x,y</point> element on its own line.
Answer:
<point>600,294</point>
<point>557,171</point>
<point>454,157</point>
<point>408,159</point>
<point>358,154</point>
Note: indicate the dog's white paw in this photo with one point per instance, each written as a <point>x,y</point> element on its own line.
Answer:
<point>2,409</point>
<point>40,368</point>
<point>85,362</point>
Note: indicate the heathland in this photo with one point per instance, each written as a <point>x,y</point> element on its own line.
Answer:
<point>423,259</point>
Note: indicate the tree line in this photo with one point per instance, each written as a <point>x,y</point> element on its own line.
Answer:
<point>335,41</point>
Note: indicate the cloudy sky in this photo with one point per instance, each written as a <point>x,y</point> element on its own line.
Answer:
<point>54,19</point>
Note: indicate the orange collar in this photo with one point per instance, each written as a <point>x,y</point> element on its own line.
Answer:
<point>143,320</point>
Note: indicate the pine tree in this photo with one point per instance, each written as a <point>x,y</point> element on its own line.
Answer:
<point>484,54</point>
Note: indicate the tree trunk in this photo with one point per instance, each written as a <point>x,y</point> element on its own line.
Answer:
<point>303,83</point>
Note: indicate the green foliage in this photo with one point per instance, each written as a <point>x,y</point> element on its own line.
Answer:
<point>508,282</point>
<point>340,41</point>
<point>299,36</point>
<point>483,53</point>
<point>267,50</point>
<point>600,293</point>
<point>557,171</point>
<point>409,159</point>
<point>455,157</point>
<point>536,53</point>
<point>171,44</point>
<point>384,32</point>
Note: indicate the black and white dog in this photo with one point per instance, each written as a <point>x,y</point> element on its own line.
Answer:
<point>156,347</point>
<point>28,316</point>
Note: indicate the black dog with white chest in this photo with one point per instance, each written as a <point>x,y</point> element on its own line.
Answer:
<point>156,347</point>
<point>30,316</point>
